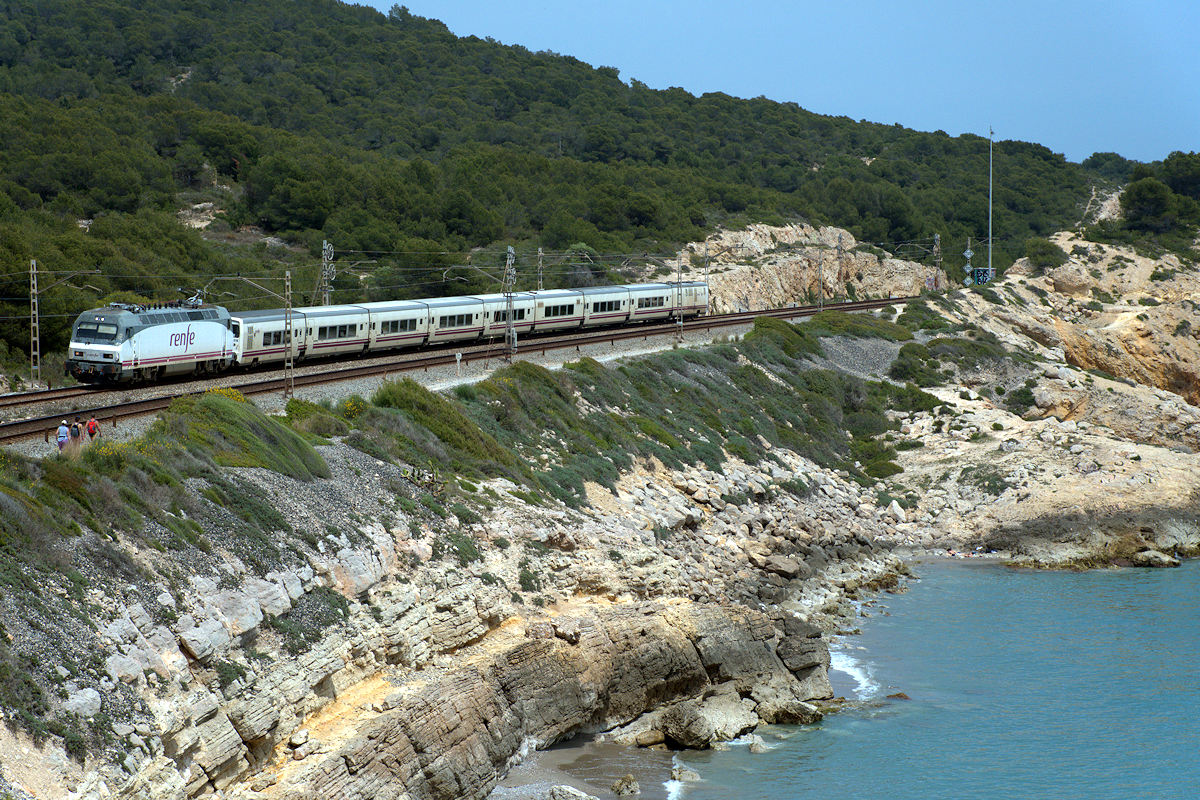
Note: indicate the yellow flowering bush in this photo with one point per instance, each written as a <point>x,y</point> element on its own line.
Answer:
<point>224,391</point>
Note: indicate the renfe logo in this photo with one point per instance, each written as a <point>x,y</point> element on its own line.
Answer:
<point>185,339</point>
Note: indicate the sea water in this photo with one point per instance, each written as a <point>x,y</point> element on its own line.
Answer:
<point>1021,684</point>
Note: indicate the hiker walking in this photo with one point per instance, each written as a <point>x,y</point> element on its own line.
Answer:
<point>76,435</point>
<point>64,435</point>
<point>93,428</point>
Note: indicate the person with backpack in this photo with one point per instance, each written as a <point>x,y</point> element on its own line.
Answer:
<point>93,428</point>
<point>76,435</point>
<point>64,435</point>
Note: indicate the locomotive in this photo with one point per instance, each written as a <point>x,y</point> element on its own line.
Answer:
<point>125,343</point>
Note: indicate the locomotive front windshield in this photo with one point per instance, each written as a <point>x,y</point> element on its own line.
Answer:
<point>95,332</point>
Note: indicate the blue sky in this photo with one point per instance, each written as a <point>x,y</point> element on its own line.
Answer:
<point>1076,77</point>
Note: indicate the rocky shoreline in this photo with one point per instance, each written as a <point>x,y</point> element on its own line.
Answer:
<point>401,650</point>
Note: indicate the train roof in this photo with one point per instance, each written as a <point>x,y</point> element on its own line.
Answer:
<point>553,294</point>
<point>445,302</point>
<point>492,297</point>
<point>393,305</point>
<point>602,289</point>
<point>128,315</point>
<point>303,312</point>
<point>317,312</point>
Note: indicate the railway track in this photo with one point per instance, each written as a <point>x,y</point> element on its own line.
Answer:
<point>44,424</point>
<point>18,399</point>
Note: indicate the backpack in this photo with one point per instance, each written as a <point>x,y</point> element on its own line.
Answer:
<point>92,427</point>
<point>75,430</point>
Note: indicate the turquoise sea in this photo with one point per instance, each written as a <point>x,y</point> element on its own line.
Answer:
<point>1022,684</point>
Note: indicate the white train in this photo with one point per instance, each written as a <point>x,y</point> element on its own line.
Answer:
<point>126,343</point>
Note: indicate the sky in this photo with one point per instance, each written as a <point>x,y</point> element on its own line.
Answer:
<point>1077,77</point>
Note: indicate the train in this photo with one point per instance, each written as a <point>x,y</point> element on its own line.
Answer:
<point>127,343</point>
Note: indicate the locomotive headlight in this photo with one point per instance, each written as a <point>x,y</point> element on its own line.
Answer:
<point>79,354</point>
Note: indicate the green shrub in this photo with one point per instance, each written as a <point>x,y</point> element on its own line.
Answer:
<point>1019,400</point>
<point>1044,254</point>
<point>915,364</point>
<point>918,316</point>
<point>529,581</point>
<point>839,323</point>
<point>228,672</point>
<point>465,515</point>
<point>238,434</point>
<point>460,545</point>
<point>792,340</point>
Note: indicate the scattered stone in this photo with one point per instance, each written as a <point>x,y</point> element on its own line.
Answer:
<point>625,786</point>
<point>567,793</point>
<point>684,775</point>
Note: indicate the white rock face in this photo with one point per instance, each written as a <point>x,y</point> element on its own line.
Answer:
<point>84,703</point>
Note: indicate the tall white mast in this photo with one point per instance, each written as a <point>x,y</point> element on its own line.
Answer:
<point>990,134</point>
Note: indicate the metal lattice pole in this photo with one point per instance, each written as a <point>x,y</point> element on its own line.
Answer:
<point>839,265</point>
<point>679,301</point>
<point>35,354</point>
<point>510,327</point>
<point>937,259</point>
<point>539,269</point>
<point>328,271</point>
<point>289,364</point>
<point>820,278</point>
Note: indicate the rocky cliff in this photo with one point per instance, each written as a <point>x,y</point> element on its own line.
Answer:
<point>372,667</point>
<point>393,648</point>
<point>763,266</point>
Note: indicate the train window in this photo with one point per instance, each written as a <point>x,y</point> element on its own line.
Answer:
<point>236,328</point>
<point>194,315</point>
<point>454,321</point>
<point>398,325</point>
<point>606,305</point>
<point>518,315</point>
<point>651,302</point>
<point>560,311</point>
<point>96,332</point>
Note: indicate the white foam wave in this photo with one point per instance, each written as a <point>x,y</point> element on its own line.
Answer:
<point>865,685</point>
<point>674,789</point>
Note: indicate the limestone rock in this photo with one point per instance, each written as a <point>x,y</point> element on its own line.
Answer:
<point>255,717</point>
<point>567,793</point>
<point>1154,558</point>
<point>625,787</point>
<point>799,653</point>
<point>84,703</point>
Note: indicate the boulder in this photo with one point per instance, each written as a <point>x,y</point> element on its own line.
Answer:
<point>798,654</point>
<point>625,787</point>
<point>686,726</point>
<point>84,703</point>
<point>567,793</point>
<point>719,718</point>
<point>1153,559</point>
<point>784,566</point>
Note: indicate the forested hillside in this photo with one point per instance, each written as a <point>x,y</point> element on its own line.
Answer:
<point>312,119</point>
